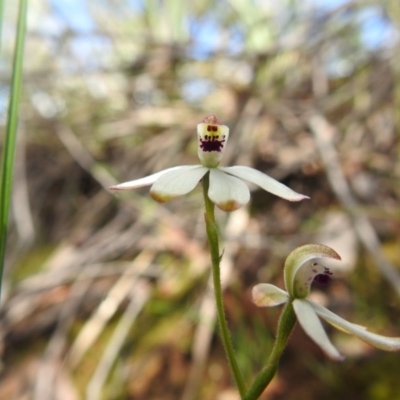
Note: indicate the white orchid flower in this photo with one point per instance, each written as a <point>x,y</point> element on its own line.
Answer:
<point>226,190</point>
<point>299,273</point>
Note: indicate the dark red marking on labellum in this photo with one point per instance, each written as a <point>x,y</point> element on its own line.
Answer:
<point>324,278</point>
<point>212,143</point>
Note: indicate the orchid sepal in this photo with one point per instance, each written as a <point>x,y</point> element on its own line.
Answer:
<point>379,341</point>
<point>145,181</point>
<point>264,181</point>
<point>309,321</point>
<point>177,183</point>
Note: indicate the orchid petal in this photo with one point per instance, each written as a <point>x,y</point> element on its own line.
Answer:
<point>265,182</point>
<point>226,191</point>
<point>311,324</point>
<point>378,341</point>
<point>178,182</point>
<point>298,257</point>
<point>146,181</point>
<point>266,295</point>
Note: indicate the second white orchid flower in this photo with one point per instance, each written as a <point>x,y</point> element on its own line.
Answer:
<point>299,274</point>
<point>226,190</point>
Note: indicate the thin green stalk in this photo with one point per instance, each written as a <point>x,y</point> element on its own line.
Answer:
<point>212,234</point>
<point>286,324</point>
<point>11,133</point>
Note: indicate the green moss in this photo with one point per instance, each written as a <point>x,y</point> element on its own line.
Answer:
<point>30,263</point>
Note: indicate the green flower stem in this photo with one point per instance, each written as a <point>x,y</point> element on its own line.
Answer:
<point>286,324</point>
<point>212,234</point>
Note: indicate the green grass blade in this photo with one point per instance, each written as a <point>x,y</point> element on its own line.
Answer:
<point>11,133</point>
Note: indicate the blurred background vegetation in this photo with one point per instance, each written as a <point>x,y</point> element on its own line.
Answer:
<point>107,297</point>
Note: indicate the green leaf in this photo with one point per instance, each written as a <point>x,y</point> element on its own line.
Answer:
<point>7,165</point>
